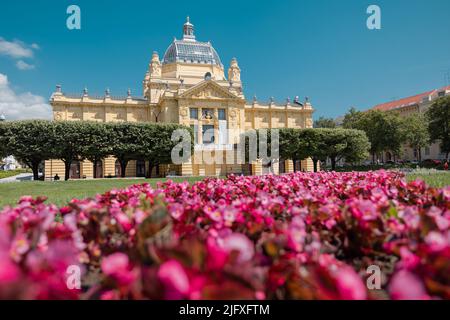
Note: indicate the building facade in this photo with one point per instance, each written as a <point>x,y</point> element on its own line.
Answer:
<point>415,104</point>
<point>188,86</point>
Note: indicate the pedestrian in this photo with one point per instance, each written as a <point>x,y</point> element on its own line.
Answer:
<point>56,177</point>
<point>446,165</point>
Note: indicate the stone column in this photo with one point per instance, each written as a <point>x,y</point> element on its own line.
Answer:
<point>289,166</point>
<point>276,166</point>
<point>186,169</point>
<point>307,165</point>
<point>201,170</point>
<point>257,168</point>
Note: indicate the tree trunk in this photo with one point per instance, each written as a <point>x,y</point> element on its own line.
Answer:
<point>123,167</point>
<point>333,164</point>
<point>67,165</point>
<point>35,168</point>
<point>420,154</point>
<point>315,164</point>
<point>373,158</point>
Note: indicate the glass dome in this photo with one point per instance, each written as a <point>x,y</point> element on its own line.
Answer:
<point>191,52</point>
<point>188,50</point>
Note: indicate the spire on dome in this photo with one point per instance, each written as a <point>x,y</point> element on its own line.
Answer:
<point>188,30</point>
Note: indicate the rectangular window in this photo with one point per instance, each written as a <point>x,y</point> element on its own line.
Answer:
<point>208,134</point>
<point>193,113</point>
<point>222,114</point>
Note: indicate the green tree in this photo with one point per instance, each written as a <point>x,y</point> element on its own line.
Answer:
<point>352,119</point>
<point>438,116</point>
<point>383,129</point>
<point>157,143</point>
<point>125,142</point>
<point>4,136</point>
<point>415,131</point>
<point>70,142</point>
<point>323,122</point>
<point>394,135</point>
<point>337,144</point>
<point>98,142</point>
<point>30,142</point>
<point>312,144</point>
<point>357,146</point>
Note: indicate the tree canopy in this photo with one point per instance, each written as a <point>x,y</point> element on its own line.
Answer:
<point>323,122</point>
<point>30,141</point>
<point>439,123</point>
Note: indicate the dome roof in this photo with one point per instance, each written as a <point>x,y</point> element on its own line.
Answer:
<point>189,50</point>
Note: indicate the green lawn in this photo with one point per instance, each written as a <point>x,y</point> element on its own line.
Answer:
<point>437,179</point>
<point>61,192</point>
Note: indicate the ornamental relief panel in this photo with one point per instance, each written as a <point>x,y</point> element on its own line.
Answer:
<point>74,113</point>
<point>184,112</point>
<point>58,115</point>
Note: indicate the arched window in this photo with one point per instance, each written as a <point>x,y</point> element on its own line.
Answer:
<point>208,76</point>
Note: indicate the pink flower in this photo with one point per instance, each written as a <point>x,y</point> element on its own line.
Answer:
<point>436,241</point>
<point>174,280</point>
<point>406,286</point>
<point>240,243</point>
<point>9,271</point>
<point>110,295</point>
<point>124,221</point>
<point>176,210</point>
<point>217,256</point>
<point>409,260</point>
<point>19,247</point>
<point>117,266</point>
<point>349,285</point>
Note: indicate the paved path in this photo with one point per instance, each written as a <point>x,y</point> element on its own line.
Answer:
<point>18,178</point>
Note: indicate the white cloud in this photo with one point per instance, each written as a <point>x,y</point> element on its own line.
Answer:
<point>16,49</point>
<point>21,106</point>
<point>22,65</point>
<point>35,46</point>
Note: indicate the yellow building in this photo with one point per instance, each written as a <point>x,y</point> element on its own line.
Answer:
<point>188,86</point>
<point>405,107</point>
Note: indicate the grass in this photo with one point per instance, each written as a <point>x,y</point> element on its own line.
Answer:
<point>61,192</point>
<point>11,173</point>
<point>436,179</point>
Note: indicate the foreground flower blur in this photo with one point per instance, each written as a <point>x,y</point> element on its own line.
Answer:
<point>295,236</point>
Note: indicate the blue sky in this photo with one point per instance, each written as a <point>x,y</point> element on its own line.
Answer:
<point>316,48</point>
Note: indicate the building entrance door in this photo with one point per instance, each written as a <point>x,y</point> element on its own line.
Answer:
<point>75,170</point>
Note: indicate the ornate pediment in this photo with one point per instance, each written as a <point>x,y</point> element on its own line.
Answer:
<point>208,89</point>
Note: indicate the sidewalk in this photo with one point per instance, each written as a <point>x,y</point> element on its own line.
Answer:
<point>18,178</point>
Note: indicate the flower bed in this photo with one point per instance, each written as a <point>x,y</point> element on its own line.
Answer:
<point>296,236</point>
